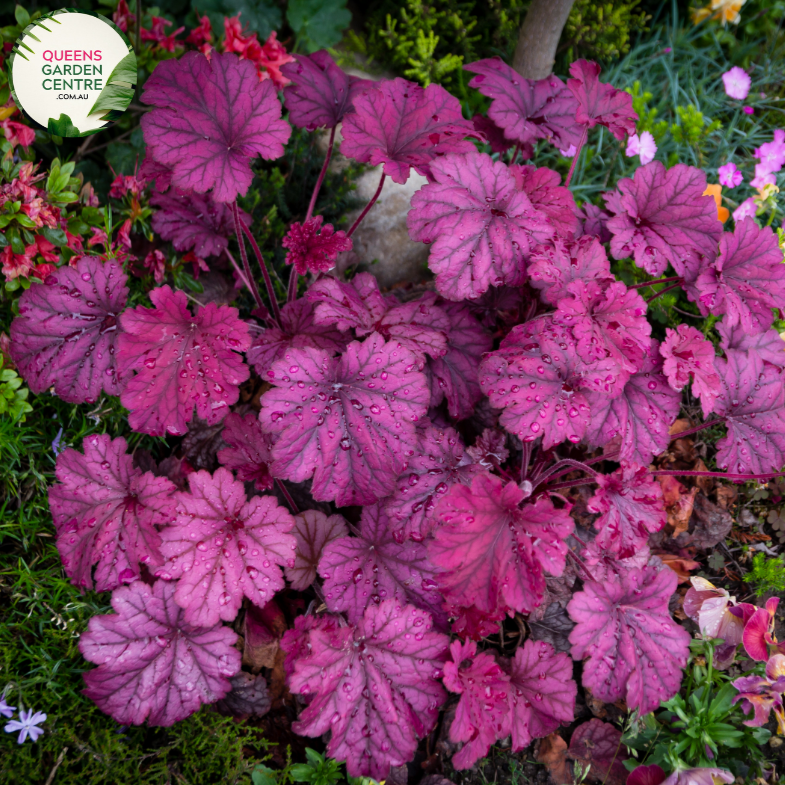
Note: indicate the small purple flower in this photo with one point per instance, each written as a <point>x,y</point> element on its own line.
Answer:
<point>737,83</point>
<point>27,725</point>
<point>729,175</point>
<point>57,448</point>
<point>667,50</point>
<point>748,110</point>
<point>746,209</point>
<point>6,710</point>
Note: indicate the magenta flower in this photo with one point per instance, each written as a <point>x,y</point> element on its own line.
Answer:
<point>762,694</point>
<point>737,83</point>
<point>702,776</point>
<point>27,725</point>
<point>748,110</point>
<point>729,175</point>
<point>642,146</point>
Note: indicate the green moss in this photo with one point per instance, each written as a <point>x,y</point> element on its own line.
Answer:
<point>766,575</point>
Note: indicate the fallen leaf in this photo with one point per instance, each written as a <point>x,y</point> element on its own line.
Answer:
<point>678,503</point>
<point>679,426</point>
<point>596,706</point>
<point>726,496</point>
<point>552,752</point>
<point>679,564</point>
<point>711,524</point>
<point>554,627</point>
<point>704,483</point>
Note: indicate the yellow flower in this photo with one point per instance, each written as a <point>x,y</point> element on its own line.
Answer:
<point>723,10</point>
<point>716,191</point>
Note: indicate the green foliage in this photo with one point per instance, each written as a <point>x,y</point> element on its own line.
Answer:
<point>699,727</point>
<point>13,397</point>
<point>767,575</point>
<point>317,771</point>
<point>647,117</point>
<point>317,24</point>
<point>261,16</point>
<point>601,30</point>
<point>692,128</point>
<point>430,40</point>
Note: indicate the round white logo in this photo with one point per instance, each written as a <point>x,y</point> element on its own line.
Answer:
<point>73,72</point>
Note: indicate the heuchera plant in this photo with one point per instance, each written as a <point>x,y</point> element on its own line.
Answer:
<point>525,344</point>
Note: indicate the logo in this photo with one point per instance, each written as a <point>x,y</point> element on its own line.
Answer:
<point>72,72</point>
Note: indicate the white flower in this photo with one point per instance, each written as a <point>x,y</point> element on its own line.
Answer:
<point>5,709</point>
<point>737,83</point>
<point>27,725</point>
<point>643,146</point>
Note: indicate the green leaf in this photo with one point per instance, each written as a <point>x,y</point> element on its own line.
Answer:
<point>55,236</point>
<point>119,89</point>
<point>302,772</point>
<point>22,17</point>
<point>261,16</point>
<point>722,702</point>
<point>318,24</point>
<point>62,126</point>
<point>261,775</point>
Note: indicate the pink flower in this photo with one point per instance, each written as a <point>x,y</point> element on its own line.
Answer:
<point>771,154</point>
<point>746,209</point>
<point>729,175</point>
<point>737,83</point>
<point>642,146</point>
<point>763,177</point>
<point>570,151</point>
<point>748,110</point>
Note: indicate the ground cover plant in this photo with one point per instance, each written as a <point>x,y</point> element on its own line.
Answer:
<point>399,526</point>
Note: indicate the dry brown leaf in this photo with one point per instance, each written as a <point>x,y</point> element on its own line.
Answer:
<point>262,631</point>
<point>679,426</point>
<point>679,564</point>
<point>596,706</point>
<point>704,483</point>
<point>726,496</point>
<point>552,752</point>
<point>678,503</point>
<point>711,524</point>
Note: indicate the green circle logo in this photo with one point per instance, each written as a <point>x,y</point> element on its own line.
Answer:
<point>72,72</point>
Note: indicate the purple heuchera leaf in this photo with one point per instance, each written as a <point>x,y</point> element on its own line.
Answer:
<point>402,125</point>
<point>313,247</point>
<point>66,331</point>
<point>541,692</point>
<point>635,651</point>
<point>688,354</point>
<point>374,686</point>
<point>598,744</point>
<point>480,224</point>
<point>348,422</point>
<point>747,279</point>
<point>320,93</point>
<point>454,375</point>
<point>211,118</point>
<point>248,696</point>
<point>602,563</point>
<point>492,553</point>
<point>752,402</point>
<point>599,103</point>
<point>372,567</point>
<point>631,507</point>
<point>438,463</point>
<point>249,453</point>
<point>223,547</point>
<point>495,137</point>
<point>554,266</point>
<point>420,325</point>
<point>193,221</point>
<point>181,361</point>
<point>298,330</point>
<point>481,716</point>
<point>153,665</point>
<point>544,189</point>
<point>489,449</point>
<point>607,322</point>
<point>314,531</point>
<point>538,384</point>
<point>646,775</point>
<point>768,345</point>
<point>595,223</point>
<point>527,109</point>
<point>106,511</point>
<point>641,416</point>
<point>662,217</point>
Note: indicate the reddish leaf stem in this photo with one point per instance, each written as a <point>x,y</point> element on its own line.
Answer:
<point>697,428</point>
<point>571,484</point>
<point>567,462</point>
<point>526,456</point>
<point>580,563</point>
<point>367,206</point>
<point>259,258</point>
<point>289,500</point>
<point>662,291</point>
<point>721,475</point>
<point>247,278</point>
<point>319,182</point>
<point>643,285</point>
<point>294,277</point>
<point>577,154</point>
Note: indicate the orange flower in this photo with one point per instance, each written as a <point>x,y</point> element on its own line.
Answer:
<point>722,10</point>
<point>716,192</point>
